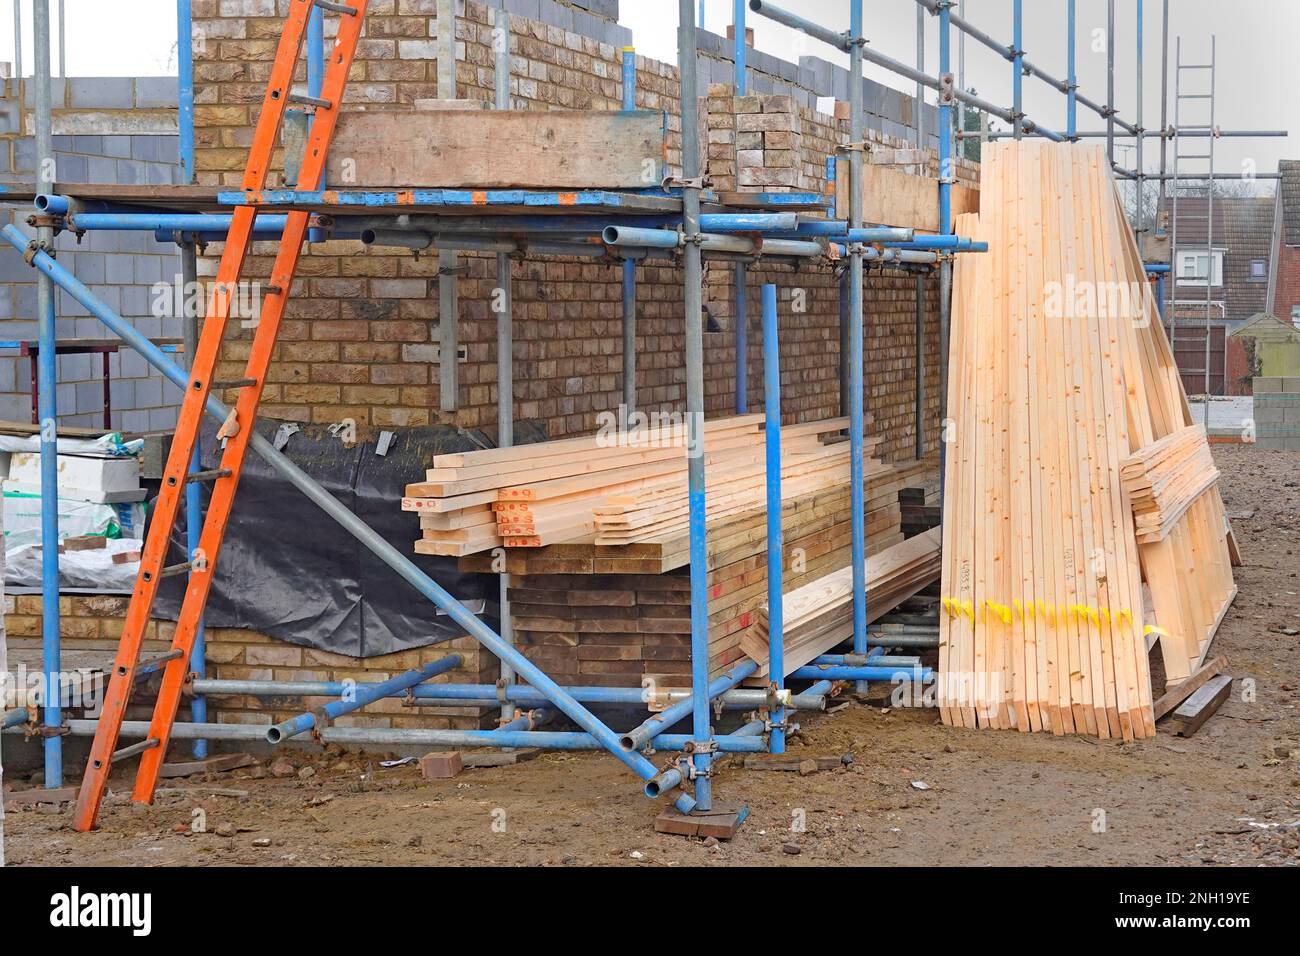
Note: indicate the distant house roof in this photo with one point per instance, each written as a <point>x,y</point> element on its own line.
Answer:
<point>1290,191</point>
<point>1243,226</point>
<point>1268,328</point>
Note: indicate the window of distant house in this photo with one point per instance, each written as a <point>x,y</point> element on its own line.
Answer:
<point>1258,270</point>
<point>1194,267</point>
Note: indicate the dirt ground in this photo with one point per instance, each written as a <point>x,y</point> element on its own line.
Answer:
<point>917,793</point>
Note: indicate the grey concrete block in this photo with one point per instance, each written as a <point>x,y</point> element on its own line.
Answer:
<point>71,168</point>
<point>148,270</point>
<point>90,396</point>
<point>135,421</point>
<point>604,8</point>
<point>15,408</point>
<point>88,327</point>
<point>144,147</point>
<point>25,303</point>
<point>158,174</point>
<point>135,300</point>
<point>532,9</point>
<point>88,145</point>
<point>118,270</point>
<point>104,92</point>
<point>119,147</point>
<point>129,172</point>
<point>155,91</point>
<point>134,365</point>
<point>148,392</point>
<point>160,418</point>
<point>91,268</point>
<point>102,170</point>
<point>24,155</point>
<point>169,150</point>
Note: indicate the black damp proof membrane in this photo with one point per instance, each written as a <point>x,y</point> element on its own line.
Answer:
<point>290,571</point>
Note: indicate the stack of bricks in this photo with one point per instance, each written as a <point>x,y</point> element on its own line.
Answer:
<point>605,630</point>
<point>767,143</point>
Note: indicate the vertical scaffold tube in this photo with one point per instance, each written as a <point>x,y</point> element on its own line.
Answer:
<point>946,171</point>
<point>775,553</point>
<point>857,507</point>
<point>1072,80</point>
<point>1017,66</point>
<point>701,730</point>
<point>47,411</point>
<point>191,303</point>
<point>629,264</point>
<point>740,270</point>
<point>503,303</point>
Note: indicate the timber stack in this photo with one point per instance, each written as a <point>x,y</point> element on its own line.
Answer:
<point>1082,521</point>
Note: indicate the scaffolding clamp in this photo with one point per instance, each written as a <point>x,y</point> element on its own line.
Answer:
<point>686,766</point>
<point>947,89</point>
<point>34,247</point>
<point>319,720</point>
<point>679,182</point>
<point>700,746</point>
<point>33,729</point>
<point>45,220</point>
<point>778,697</point>
<point>501,686</point>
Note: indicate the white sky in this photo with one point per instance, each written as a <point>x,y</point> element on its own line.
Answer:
<point>1256,41</point>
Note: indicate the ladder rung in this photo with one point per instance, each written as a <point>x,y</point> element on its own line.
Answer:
<point>209,475</point>
<point>306,100</point>
<point>174,569</point>
<point>234,383</point>
<point>134,749</point>
<point>336,7</point>
<point>150,663</point>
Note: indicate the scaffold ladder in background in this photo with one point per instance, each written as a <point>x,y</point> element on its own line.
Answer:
<point>1194,174</point>
<point>238,428</point>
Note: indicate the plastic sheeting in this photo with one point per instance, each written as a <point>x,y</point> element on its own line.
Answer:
<point>289,571</point>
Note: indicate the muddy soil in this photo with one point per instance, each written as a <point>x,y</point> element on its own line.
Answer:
<point>916,793</point>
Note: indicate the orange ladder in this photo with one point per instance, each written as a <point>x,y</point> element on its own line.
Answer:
<point>238,428</point>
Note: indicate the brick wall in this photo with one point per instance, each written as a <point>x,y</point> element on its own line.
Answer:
<point>360,337</point>
<point>107,130</point>
<point>1287,295</point>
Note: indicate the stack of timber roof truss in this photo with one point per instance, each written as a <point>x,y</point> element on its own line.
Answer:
<point>1082,522</point>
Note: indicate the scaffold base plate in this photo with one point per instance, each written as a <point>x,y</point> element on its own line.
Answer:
<point>723,821</point>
